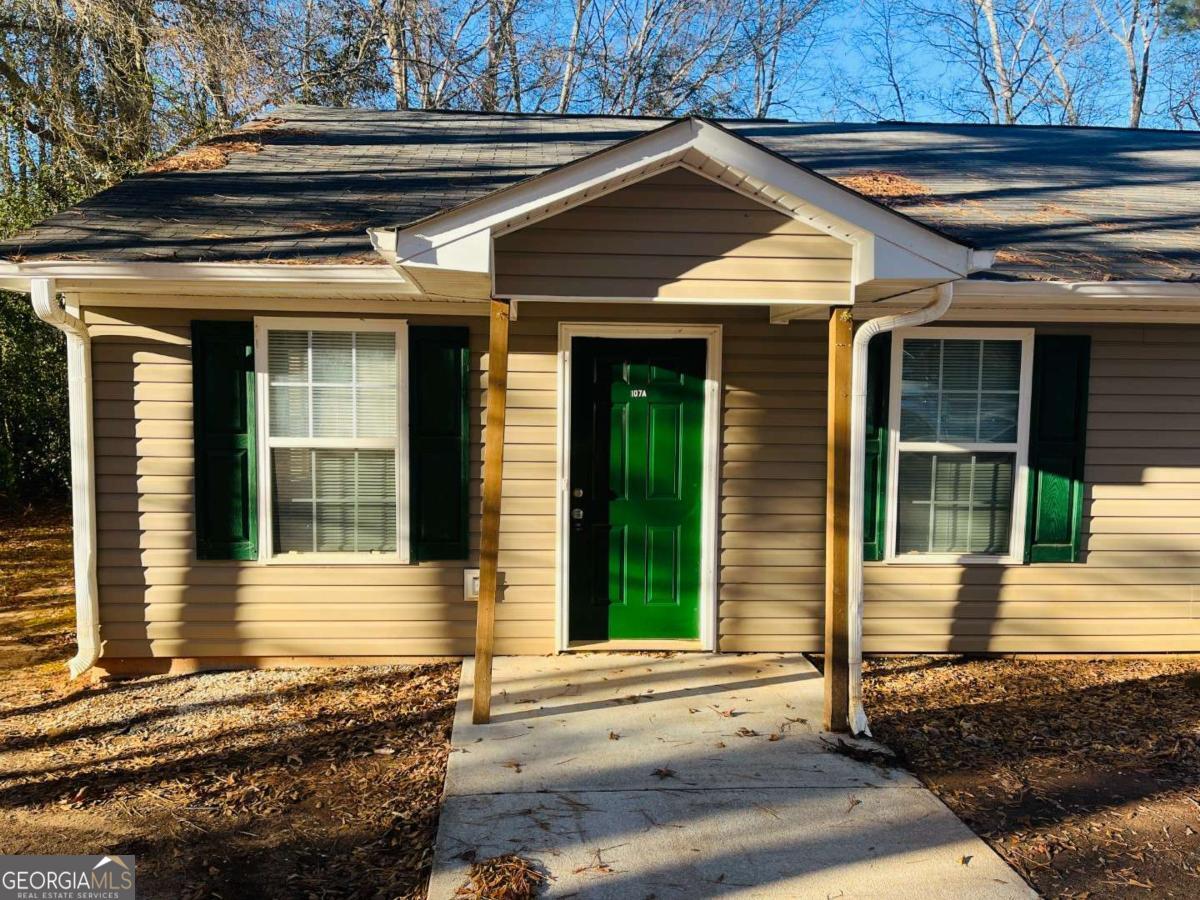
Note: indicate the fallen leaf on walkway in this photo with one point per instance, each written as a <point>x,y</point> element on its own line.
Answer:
<point>725,713</point>
<point>664,773</point>
<point>597,866</point>
<point>862,754</point>
<point>613,736</point>
<point>966,860</point>
<point>512,764</point>
<point>507,877</point>
<point>773,736</point>
<point>853,802</point>
<point>746,732</point>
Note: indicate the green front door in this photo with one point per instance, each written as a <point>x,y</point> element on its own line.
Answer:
<point>637,431</point>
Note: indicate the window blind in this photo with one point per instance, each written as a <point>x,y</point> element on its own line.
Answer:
<point>333,438</point>
<point>957,449</point>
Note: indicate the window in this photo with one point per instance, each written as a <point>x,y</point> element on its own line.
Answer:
<point>334,439</point>
<point>960,425</point>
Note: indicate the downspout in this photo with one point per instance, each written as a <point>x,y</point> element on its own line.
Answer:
<point>858,432</point>
<point>83,486</point>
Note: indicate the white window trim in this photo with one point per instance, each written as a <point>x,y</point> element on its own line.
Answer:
<point>266,553</point>
<point>1016,542</point>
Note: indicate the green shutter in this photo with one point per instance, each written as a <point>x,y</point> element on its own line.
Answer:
<point>1057,437</point>
<point>879,362</point>
<point>439,429</point>
<point>223,415</point>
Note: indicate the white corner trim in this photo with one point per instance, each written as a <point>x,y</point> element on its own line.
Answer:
<point>83,484</point>
<point>710,484</point>
<point>981,260</point>
<point>263,325</point>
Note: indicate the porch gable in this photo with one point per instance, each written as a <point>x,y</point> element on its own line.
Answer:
<point>674,236</point>
<point>456,251</point>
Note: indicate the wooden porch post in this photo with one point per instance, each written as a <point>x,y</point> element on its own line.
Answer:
<point>489,540</point>
<point>837,522</point>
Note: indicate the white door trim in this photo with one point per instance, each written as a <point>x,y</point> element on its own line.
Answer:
<point>710,486</point>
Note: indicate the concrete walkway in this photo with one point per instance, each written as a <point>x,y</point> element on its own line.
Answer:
<point>690,776</point>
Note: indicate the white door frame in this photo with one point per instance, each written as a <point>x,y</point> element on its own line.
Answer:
<point>710,498</point>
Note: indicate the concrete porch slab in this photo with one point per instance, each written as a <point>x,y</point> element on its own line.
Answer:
<point>690,775</point>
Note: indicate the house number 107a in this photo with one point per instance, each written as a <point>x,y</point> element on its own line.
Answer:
<point>638,392</point>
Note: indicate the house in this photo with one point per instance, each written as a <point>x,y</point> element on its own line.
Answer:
<point>284,350</point>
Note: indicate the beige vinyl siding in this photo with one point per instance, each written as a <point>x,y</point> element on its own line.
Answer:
<point>156,599</point>
<point>674,235</point>
<point>1136,589</point>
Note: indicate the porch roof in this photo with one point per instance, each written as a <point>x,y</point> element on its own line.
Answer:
<point>1059,203</point>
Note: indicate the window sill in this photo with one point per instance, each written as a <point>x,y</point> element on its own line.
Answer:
<point>336,559</point>
<point>951,559</point>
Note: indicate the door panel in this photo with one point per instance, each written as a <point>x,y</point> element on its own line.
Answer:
<point>636,474</point>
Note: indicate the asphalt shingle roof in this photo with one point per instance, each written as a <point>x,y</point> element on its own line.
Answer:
<point>1065,203</point>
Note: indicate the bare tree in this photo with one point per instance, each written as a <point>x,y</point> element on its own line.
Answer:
<point>773,32</point>
<point>570,65</point>
<point>1026,58</point>
<point>880,82</point>
<point>1134,25</point>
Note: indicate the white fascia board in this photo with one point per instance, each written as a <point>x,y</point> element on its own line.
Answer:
<point>76,274</point>
<point>1090,302</point>
<point>461,238</point>
<point>1075,292</point>
<point>887,245</point>
<point>845,213</point>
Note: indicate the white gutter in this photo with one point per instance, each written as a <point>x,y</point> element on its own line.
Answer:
<point>276,279</point>
<point>858,431</point>
<point>83,486</point>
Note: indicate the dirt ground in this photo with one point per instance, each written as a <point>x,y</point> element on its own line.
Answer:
<point>307,783</point>
<point>323,783</point>
<point>1084,775</point>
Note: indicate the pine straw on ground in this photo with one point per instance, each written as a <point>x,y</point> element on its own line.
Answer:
<point>280,783</point>
<point>1084,775</point>
<point>36,597</point>
<point>507,877</point>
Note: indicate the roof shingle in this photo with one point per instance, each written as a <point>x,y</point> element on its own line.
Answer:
<point>1063,203</point>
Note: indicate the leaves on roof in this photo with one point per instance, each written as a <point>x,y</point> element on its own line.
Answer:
<point>215,153</point>
<point>1016,258</point>
<point>886,187</point>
